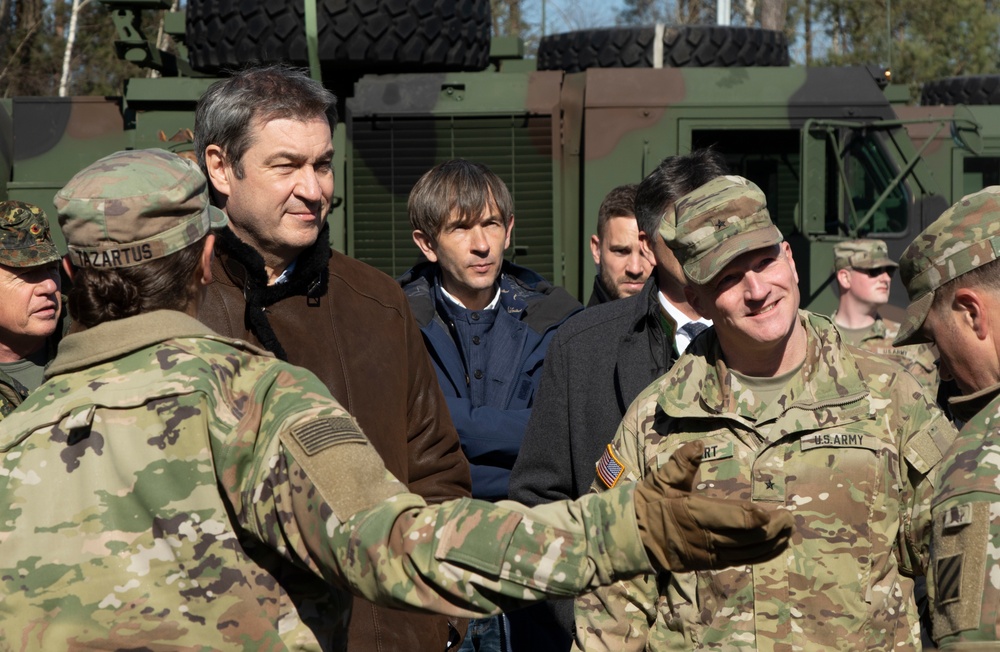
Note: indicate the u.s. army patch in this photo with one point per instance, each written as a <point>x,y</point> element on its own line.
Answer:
<point>609,468</point>
<point>317,435</point>
<point>837,440</point>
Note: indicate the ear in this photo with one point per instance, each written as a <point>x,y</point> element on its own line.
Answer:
<point>972,311</point>
<point>787,248</point>
<point>510,229</point>
<point>595,249</point>
<point>218,170</point>
<point>207,254</point>
<point>694,300</point>
<point>426,245</point>
<point>646,248</point>
<point>844,278</point>
<point>67,267</point>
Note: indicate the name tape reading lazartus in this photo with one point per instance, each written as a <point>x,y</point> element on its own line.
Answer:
<point>114,257</point>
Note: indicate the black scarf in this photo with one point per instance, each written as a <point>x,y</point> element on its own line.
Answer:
<point>310,279</point>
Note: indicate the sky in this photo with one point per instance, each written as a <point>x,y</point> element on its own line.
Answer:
<point>569,15</point>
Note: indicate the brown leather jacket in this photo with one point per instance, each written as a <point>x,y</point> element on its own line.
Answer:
<point>353,328</point>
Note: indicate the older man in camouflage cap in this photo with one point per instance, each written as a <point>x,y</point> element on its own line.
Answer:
<point>169,488</point>
<point>791,418</point>
<point>30,303</point>
<point>863,272</point>
<point>952,274</point>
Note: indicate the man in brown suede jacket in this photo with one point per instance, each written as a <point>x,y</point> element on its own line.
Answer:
<point>263,138</point>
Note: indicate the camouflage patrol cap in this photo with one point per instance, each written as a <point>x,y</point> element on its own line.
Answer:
<point>861,254</point>
<point>713,224</point>
<point>25,239</point>
<point>134,206</point>
<point>965,237</point>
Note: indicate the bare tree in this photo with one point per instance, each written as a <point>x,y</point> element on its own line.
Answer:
<point>773,14</point>
<point>74,17</point>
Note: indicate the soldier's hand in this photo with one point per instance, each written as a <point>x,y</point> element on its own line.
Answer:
<point>686,532</point>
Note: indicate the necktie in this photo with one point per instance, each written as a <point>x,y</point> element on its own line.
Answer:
<point>693,328</point>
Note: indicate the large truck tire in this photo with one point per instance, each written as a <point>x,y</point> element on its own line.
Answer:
<point>359,36</point>
<point>683,46</point>
<point>972,89</point>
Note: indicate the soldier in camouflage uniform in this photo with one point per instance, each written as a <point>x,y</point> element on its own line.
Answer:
<point>863,271</point>
<point>952,275</point>
<point>792,418</point>
<point>30,303</point>
<point>169,488</point>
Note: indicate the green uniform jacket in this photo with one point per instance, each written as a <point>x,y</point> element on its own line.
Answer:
<point>171,489</point>
<point>919,359</point>
<point>847,449</point>
<point>964,582</point>
<point>11,394</point>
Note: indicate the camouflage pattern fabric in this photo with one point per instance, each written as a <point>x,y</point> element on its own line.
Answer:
<point>133,206</point>
<point>847,450</point>
<point>964,580</point>
<point>715,223</point>
<point>868,253</point>
<point>964,237</point>
<point>170,489</point>
<point>11,394</point>
<point>919,359</point>
<point>25,239</point>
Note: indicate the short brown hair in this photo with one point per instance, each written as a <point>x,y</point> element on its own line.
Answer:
<point>456,186</point>
<point>620,202</point>
<point>100,295</point>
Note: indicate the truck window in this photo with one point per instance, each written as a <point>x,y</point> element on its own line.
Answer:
<point>771,158</point>
<point>768,157</point>
<point>979,172</point>
<point>869,172</point>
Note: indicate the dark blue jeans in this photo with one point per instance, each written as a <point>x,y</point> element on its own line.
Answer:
<point>487,635</point>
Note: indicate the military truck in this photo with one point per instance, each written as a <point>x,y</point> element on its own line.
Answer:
<point>420,82</point>
<point>959,118</point>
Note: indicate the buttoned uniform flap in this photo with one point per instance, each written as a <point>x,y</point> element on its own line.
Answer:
<point>77,408</point>
<point>843,413</point>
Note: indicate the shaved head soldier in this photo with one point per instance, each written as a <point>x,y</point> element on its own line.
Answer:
<point>952,274</point>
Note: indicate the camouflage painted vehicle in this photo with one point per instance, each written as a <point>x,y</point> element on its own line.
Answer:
<point>959,119</point>
<point>824,143</point>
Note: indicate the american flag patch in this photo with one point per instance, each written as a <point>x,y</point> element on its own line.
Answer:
<point>316,435</point>
<point>609,469</point>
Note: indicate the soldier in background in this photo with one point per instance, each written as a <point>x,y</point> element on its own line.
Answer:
<point>623,263</point>
<point>213,497</point>
<point>863,271</point>
<point>263,138</point>
<point>30,300</point>
<point>952,274</point>
<point>791,418</point>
